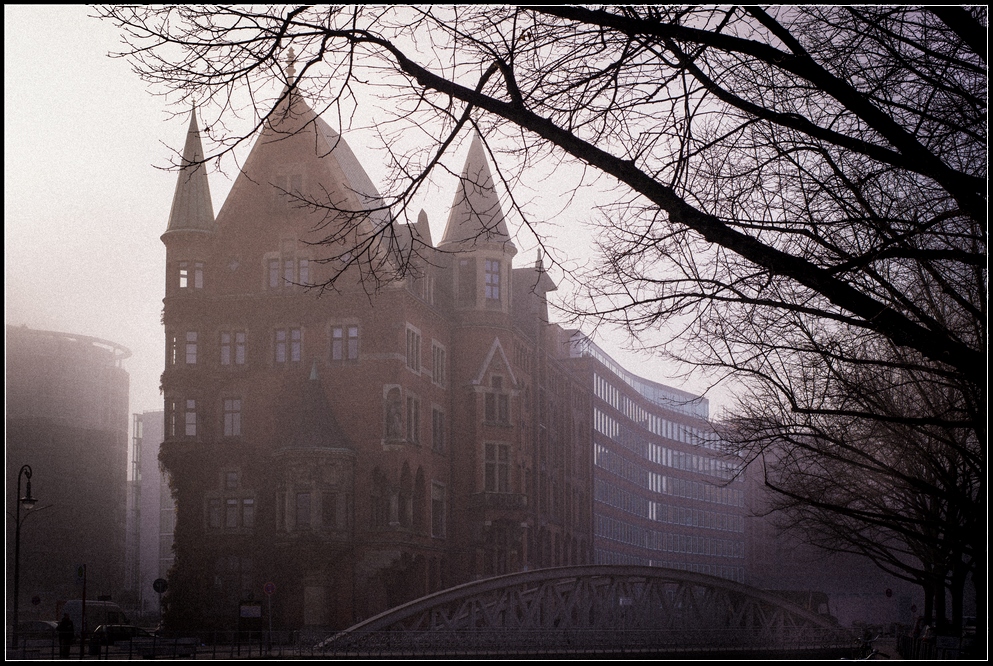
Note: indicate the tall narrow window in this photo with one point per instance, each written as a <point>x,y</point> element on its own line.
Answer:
<point>344,343</point>
<point>303,511</point>
<point>172,418</point>
<point>172,349</point>
<point>492,277</point>
<point>296,344</point>
<point>413,419</point>
<point>437,510</point>
<point>437,430</point>
<point>231,506</point>
<point>232,347</point>
<point>191,348</point>
<point>232,417</point>
<point>379,500</point>
<point>184,275</point>
<point>248,512</point>
<point>286,270</point>
<point>413,349</point>
<point>198,275</point>
<point>353,343</point>
<point>497,468</point>
<point>497,407</point>
<point>225,348</point>
<point>190,417</point>
<point>288,273</point>
<point>274,274</point>
<point>289,345</point>
<point>438,364</point>
<point>239,348</point>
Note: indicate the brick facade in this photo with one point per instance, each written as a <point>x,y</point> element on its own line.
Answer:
<point>365,445</point>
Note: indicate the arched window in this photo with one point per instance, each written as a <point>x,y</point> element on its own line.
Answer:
<point>420,499</point>
<point>405,508</point>
<point>379,500</point>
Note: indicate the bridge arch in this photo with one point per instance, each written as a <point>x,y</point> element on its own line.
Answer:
<point>599,608</point>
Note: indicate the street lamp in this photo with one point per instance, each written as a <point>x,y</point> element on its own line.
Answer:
<point>28,501</point>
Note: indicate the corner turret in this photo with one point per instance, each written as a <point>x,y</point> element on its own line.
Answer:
<point>478,236</point>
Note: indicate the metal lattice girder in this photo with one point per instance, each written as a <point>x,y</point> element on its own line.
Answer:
<point>593,607</point>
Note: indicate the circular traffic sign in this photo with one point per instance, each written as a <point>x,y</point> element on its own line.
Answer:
<point>160,585</point>
<point>269,588</point>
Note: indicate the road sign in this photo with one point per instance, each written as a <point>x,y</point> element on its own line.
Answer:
<point>269,588</point>
<point>160,585</point>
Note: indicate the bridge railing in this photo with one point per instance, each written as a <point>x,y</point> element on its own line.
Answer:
<point>538,642</point>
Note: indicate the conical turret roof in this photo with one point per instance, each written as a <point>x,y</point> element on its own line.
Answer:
<point>476,215</point>
<point>192,208</point>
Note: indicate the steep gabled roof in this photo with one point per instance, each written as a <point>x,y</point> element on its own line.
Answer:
<point>192,208</point>
<point>310,423</point>
<point>357,180</point>
<point>343,183</point>
<point>476,215</point>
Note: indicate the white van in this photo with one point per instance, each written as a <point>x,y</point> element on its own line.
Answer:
<point>97,613</point>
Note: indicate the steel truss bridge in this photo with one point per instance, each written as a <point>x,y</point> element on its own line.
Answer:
<point>596,610</point>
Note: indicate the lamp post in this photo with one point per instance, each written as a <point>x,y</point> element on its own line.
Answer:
<point>28,501</point>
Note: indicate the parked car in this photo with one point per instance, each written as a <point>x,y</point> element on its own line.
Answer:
<point>108,634</point>
<point>37,629</point>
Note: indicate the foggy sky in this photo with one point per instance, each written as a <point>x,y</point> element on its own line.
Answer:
<point>87,196</point>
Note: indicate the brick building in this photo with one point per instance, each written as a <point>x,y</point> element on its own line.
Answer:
<point>357,447</point>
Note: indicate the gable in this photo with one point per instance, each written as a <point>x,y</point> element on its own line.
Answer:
<point>492,362</point>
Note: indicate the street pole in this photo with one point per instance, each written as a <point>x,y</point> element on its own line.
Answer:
<point>82,621</point>
<point>28,501</point>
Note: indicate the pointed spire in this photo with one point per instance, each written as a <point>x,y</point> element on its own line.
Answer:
<point>291,69</point>
<point>191,204</point>
<point>423,229</point>
<point>476,215</point>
